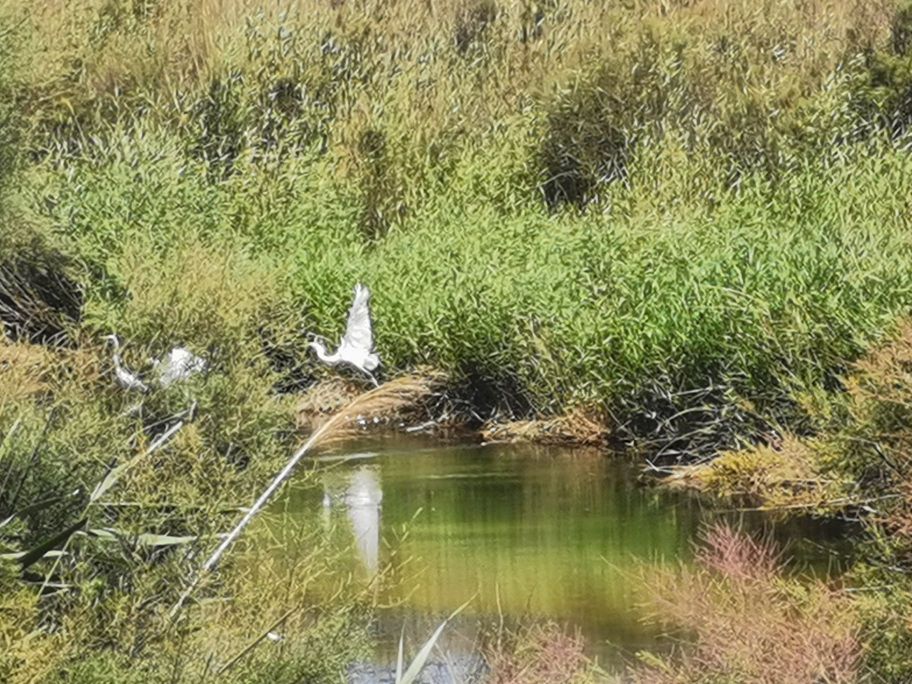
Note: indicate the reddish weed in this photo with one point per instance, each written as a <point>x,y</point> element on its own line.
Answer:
<point>750,623</point>
<point>542,654</point>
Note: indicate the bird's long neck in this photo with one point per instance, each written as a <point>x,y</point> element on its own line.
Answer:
<point>331,359</point>
<point>118,361</point>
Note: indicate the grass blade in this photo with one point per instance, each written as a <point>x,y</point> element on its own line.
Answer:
<point>417,665</point>
<point>34,555</point>
<point>35,508</point>
<point>400,658</point>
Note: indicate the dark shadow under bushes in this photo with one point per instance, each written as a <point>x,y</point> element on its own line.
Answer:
<point>585,147</point>
<point>40,301</point>
<point>488,393</point>
<point>687,424</point>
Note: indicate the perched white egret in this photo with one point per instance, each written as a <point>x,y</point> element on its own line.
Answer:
<point>356,347</point>
<point>125,378</point>
<point>179,365</point>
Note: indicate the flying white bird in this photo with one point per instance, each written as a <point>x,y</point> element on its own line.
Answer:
<point>357,345</point>
<point>125,378</point>
<point>179,365</point>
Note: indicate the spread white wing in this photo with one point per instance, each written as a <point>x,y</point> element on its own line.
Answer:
<point>358,338</point>
<point>179,365</point>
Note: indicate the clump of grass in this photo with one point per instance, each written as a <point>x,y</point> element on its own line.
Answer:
<point>790,475</point>
<point>575,427</point>
<point>749,622</point>
<point>538,654</point>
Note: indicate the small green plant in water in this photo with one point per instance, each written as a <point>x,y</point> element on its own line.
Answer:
<point>411,674</point>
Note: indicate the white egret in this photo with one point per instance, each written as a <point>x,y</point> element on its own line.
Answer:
<point>356,347</point>
<point>125,378</point>
<point>179,365</point>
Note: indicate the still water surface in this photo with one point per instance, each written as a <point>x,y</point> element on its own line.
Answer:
<point>525,531</point>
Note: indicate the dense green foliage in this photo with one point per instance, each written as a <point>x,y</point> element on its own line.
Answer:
<point>682,212</point>
<point>772,285</point>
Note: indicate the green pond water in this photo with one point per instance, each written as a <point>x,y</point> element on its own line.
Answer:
<point>523,531</point>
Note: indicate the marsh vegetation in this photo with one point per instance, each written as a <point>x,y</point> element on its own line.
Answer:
<point>682,227</point>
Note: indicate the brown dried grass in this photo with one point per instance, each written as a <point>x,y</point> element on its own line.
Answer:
<point>576,427</point>
<point>24,370</point>
<point>336,396</point>
<point>389,399</point>
<point>324,398</point>
<point>789,474</point>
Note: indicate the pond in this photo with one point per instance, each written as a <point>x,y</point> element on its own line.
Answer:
<point>524,531</point>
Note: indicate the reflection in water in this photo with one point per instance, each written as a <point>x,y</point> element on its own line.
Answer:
<point>530,532</point>
<point>361,500</point>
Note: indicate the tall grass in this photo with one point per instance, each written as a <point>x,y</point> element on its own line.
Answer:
<point>775,286</point>
<point>663,207</point>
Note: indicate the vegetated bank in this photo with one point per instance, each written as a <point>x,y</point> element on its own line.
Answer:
<point>676,219</point>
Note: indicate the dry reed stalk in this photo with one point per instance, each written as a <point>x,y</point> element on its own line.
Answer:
<point>325,397</point>
<point>388,398</point>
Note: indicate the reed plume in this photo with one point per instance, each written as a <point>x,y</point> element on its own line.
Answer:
<point>388,398</point>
